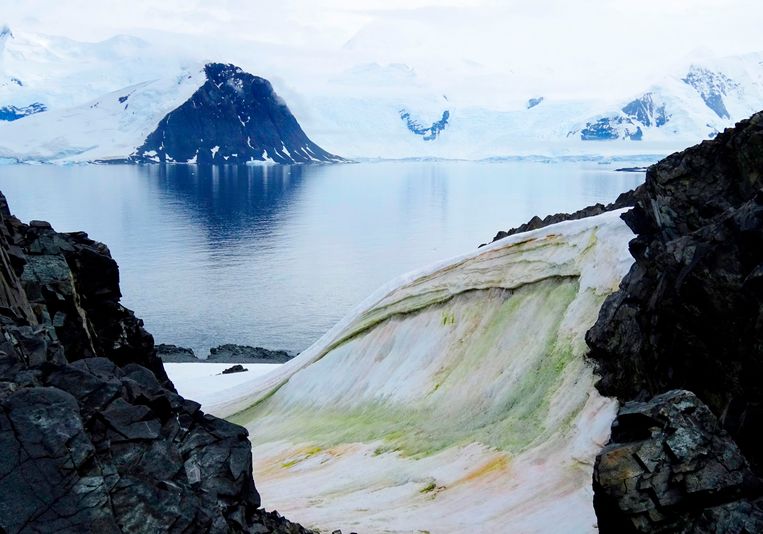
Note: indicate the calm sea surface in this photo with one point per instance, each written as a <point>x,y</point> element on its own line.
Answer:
<point>273,256</point>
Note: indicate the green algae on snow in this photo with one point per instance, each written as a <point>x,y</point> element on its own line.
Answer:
<point>498,367</point>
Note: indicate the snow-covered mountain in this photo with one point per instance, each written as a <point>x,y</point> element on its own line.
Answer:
<point>62,101</point>
<point>699,101</point>
<point>233,117</point>
<point>691,104</point>
<point>187,113</point>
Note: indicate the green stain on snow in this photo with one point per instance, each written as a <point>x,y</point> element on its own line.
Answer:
<point>478,395</point>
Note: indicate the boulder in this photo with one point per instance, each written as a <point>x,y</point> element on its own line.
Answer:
<point>235,369</point>
<point>670,467</point>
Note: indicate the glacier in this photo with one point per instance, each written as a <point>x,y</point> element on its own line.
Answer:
<point>455,395</point>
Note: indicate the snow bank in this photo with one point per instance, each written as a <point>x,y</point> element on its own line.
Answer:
<point>454,398</point>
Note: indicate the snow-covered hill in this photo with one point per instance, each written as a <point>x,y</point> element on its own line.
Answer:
<point>60,101</point>
<point>455,396</point>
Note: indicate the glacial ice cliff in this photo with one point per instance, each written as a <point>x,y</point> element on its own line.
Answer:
<point>454,396</point>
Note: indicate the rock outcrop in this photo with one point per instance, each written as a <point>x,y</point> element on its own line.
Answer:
<point>93,434</point>
<point>624,200</point>
<point>689,315</point>
<point>229,353</point>
<point>174,354</point>
<point>670,467</point>
<point>234,117</point>
<point>238,368</point>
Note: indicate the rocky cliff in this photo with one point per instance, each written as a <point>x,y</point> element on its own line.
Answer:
<point>93,434</point>
<point>689,315</point>
<point>234,117</point>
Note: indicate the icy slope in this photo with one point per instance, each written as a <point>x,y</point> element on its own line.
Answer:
<point>109,127</point>
<point>456,396</point>
<point>693,103</point>
<point>62,73</point>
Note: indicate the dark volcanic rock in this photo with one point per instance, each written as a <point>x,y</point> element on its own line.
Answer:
<point>689,315</point>
<point>244,354</point>
<point>670,467</point>
<point>625,200</point>
<point>233,118</point>
<point>175,354</point>
<point>234,369</point>
<point>102,444</point>
<point>72,284</point>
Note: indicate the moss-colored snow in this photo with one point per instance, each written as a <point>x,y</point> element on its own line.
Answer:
<point>504,359</point>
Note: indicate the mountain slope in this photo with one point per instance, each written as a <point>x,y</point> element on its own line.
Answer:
<point>689,104</point>
<point>233,117</point>
<point>456,396</point>
<point>701,101</point>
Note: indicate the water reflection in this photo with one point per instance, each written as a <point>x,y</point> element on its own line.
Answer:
<point>275,255</point>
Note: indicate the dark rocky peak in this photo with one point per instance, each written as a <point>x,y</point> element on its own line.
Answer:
<point>689,313</point>
<point>234,117</point>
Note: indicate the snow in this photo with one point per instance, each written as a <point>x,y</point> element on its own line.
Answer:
<point>200,381</point>
<point>456,395</point>
<point>101,129</point>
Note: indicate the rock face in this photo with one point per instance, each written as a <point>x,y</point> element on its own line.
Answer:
<point>234,117</point>
<point>670,467</point>
<point>68,285</point>
<point>689,314</point>
<point>244,354</point>
<point>93,436</point>
<point>94,447</point>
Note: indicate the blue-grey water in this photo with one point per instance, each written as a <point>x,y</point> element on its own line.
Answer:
<point>274,256</point>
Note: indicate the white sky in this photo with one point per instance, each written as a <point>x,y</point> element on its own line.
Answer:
<point>487,44</point>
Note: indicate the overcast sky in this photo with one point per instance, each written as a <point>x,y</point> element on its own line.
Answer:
<point>570,42</point>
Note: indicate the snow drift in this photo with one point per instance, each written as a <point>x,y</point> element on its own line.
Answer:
<point>454,396</point>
